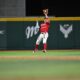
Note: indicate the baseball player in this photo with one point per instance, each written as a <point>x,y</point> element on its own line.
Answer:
<point>44,27</point>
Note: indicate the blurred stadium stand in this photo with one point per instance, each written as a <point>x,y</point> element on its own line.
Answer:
<point>12,8</point>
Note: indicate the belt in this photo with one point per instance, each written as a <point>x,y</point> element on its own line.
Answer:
<point>43,32</point>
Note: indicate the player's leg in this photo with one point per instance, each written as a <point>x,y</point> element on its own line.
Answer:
<point>45,42</point>
<point>38,42</point>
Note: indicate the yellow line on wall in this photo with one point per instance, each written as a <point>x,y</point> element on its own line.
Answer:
<point>41,19</point>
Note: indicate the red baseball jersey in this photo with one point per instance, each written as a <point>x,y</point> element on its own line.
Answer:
<point>44,27</point>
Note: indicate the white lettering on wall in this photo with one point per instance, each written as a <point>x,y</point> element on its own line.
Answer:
<point>32,30</point>
<point>1,32</point>
<point>66,29</point>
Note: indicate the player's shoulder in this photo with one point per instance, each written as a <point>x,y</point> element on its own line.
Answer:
<point>48,23</point>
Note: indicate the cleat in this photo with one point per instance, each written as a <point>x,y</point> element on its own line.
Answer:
<point>35,50</point>
<point>44,51</point>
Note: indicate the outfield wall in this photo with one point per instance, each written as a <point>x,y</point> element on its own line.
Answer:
<point>21,33</point>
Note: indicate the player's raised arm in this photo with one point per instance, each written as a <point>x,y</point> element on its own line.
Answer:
<point>46,19</point>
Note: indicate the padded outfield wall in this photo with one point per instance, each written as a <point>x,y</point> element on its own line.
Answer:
<point>21,33</point>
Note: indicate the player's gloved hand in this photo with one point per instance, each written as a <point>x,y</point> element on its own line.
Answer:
<point>45,11</point>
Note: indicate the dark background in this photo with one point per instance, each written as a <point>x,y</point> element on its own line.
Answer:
<point>24,8</point>
<point>56,8</point>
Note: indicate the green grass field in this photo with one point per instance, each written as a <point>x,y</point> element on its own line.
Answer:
<point>24,65</point>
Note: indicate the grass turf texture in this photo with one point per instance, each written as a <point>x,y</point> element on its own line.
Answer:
<point>40,69</point>
<point>40,53</point>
